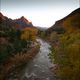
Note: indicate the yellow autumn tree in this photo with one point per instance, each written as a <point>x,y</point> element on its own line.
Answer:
<point>29,34</point>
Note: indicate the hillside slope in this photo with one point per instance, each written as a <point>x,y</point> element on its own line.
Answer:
<point>65,52</point>
<point>73,19</point>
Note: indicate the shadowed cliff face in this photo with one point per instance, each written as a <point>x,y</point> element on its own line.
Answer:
<point>73,19</point>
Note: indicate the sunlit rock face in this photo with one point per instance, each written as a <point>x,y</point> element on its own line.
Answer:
<point>20,23</point>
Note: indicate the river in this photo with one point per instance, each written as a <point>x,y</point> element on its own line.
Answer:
<point>39,67</point>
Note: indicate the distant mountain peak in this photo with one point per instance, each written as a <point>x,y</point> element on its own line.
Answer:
<point>70,21</point>
<point>19,23</point>
<point>23,19</point>
<point>2,17</point>
<point>1,14</point>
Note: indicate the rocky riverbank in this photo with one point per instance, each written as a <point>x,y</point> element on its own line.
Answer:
<point>16,61</point>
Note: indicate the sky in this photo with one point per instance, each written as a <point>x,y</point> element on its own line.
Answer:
<point>43,13</point>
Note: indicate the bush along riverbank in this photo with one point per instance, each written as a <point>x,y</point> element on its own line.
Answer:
<point>16,61</point>
<point>65,50</point>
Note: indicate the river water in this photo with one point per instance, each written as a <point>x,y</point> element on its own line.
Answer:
<point>39,67</point>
